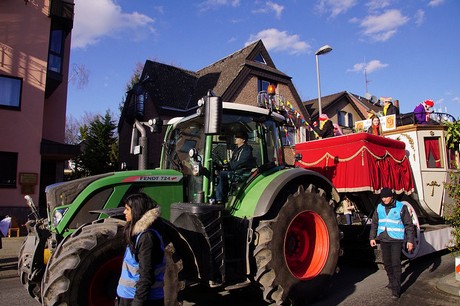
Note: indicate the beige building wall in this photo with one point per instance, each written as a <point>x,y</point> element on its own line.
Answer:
<point>24,45</point>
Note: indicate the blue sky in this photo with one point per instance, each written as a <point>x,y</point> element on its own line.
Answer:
<point>410,49</point>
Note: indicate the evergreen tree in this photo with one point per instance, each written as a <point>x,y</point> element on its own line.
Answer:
<point>99,147</point>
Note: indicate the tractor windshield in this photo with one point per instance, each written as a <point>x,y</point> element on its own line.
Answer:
<point>185,136</point>
<point>261,133</point>
<point>262,136</point>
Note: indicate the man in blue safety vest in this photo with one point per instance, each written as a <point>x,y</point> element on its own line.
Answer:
<point>392,225</point>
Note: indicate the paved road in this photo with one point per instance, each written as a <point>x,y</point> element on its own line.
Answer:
<point>356,284</point>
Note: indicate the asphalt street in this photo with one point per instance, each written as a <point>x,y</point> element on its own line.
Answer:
<point>428,280</point>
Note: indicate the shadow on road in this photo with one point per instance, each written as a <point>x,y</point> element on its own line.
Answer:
<point>412,269</point>
<point>199,295</point>
<point>344,282</point>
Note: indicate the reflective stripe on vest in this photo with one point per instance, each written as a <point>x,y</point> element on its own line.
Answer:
<point>130,274</point>
<point>392,222</point>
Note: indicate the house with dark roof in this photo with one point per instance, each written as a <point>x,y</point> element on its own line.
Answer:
<point>165,91</point>
<point>343,108</point>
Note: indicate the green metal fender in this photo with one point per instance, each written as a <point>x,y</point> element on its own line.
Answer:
<point>261,194</point>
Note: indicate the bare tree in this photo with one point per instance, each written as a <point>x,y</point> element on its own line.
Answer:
<point>73,127</point>
<point>79,76</point>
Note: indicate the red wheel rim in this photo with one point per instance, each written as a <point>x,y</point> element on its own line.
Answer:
<point>102,289</point>
<point>306,245</point>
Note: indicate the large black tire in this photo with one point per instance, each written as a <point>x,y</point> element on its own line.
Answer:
<point>31,257</point>
<point>32,286</point>
<point>85,268</point>
<point>296,253</point>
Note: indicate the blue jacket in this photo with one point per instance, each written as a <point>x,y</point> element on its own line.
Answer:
<point>392,222</point>
<point>142,273</point>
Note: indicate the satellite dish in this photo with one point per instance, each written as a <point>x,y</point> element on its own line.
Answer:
<point>367,96</point>
<point>374,100</point>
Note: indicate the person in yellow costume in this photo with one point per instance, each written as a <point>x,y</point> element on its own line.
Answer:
<point>388,107</point>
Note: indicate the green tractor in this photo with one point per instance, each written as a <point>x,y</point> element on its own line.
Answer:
<point>277,228</point>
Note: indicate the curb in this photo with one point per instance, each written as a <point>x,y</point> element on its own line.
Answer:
<point>449,285</point>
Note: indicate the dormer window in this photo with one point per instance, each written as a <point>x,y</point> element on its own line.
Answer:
<point>262,85</point>
<point>260,59</point>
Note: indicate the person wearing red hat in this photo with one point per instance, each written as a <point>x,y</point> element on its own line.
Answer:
<point>326,128</point>
<point>422,112</point>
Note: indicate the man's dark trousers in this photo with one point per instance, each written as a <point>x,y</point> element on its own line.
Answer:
<point>391,254</point>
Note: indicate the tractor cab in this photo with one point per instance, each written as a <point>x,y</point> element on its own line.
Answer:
<point>201,155</point>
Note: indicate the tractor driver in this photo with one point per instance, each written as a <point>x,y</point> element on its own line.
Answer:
<point>241,161</point>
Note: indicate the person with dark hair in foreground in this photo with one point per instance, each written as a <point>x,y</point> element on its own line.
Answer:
<point>142,274</point>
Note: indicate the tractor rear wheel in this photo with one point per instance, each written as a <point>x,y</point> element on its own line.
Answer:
<point>297,252</point>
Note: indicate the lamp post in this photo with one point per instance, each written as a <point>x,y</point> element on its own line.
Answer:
<point>323,50</point>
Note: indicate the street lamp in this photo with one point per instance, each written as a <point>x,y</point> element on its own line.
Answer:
<point>323,50</point>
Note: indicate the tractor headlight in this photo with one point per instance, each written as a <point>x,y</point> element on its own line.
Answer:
<point>58,215</point>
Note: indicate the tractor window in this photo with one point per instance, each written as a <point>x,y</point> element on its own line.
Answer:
<point>433,152</point>
<point>224,143</point>
<point>186,136</point>
<point>272,142</point>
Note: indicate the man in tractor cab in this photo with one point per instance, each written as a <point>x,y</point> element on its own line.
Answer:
<point>242,161</point>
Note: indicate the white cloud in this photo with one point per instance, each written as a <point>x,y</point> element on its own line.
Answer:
<point>419,17</point>
<point>214,4</point>
<point>334,7</point>
<point>382,27</point>
<point>434,3</point>
<point>276,7</point>
<point>280,41</point>
<point>374,5</point>
<point>270,6</point>
<point>370,67</point>
<point>97,19</point>
<point>160,9</point>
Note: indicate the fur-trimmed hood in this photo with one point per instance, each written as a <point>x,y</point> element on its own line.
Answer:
<point>146,220</point>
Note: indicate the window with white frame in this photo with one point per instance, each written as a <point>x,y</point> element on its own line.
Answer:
<point>350,120</point>
<point>260,59</point>
<point>262,85</point>
<point>345,119</point>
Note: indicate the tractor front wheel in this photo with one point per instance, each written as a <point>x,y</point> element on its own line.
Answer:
<point>86,266</point>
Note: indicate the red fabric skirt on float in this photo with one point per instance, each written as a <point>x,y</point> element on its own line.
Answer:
<point>359,162</point>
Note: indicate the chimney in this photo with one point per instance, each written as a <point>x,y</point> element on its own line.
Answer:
<point>396,103</point>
